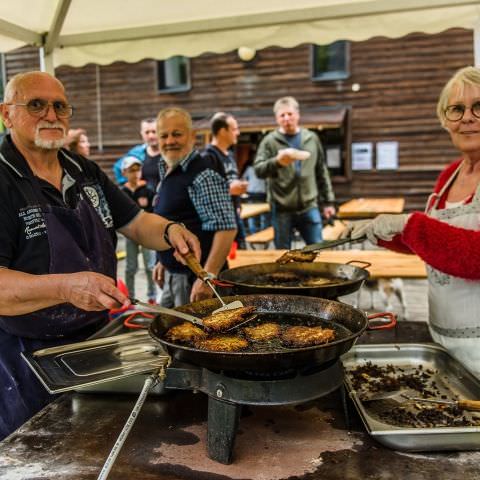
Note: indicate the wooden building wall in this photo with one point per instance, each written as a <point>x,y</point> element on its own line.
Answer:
<point>400,80</point>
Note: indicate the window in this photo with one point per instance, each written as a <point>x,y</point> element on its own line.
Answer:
<point>330,62</point>
<point>173,74</point>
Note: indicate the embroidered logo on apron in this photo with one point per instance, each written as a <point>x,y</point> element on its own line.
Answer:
<point>34,222</point>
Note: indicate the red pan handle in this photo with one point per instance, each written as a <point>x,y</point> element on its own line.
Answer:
<point>130,323</point>
<point>390,323</point>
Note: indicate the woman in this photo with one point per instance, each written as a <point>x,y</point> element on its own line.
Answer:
<point>447,235</point>
<point>77,141</point>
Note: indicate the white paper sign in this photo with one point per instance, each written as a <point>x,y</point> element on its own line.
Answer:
<point>387,155</point>
<point>333,157</point>
<point>362,156</point>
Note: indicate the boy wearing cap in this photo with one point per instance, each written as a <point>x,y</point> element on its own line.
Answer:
<point>143,196</point>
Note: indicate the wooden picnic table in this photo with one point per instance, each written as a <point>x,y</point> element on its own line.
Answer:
<point>370,207</point>
<point>385,263</point>
<point>253,209</point>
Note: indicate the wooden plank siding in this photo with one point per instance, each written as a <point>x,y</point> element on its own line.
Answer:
<point>400,80</point>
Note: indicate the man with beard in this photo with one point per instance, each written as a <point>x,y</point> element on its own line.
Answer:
<point>148,153</point>
<point>194,191</point>
<point>59,213</point>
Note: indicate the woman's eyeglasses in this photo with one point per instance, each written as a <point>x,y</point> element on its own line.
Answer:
<point>38,107</point>
<point>454,113</point>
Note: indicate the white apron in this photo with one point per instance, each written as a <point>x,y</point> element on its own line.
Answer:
<point>454,303</point>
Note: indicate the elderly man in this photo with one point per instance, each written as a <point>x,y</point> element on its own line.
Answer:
<point>194,191</point>
<point>148,153</point>
<point>225,134</point>
<point>292,160</point>
<point>59,213</point>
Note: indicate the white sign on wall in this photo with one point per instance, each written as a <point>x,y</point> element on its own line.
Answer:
<point>362,156</point>
<point>387,155</point>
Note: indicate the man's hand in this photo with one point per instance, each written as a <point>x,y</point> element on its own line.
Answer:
<point>328,212</point>
<point>158,274</point>
<point>238,187</point>
<point>200,291</point>
<point>383,227</point>
<point>284,157</point>
<point>183,241</point>
<point>92,291</point>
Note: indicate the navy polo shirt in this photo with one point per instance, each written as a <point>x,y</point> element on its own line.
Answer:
<point>23,235</point>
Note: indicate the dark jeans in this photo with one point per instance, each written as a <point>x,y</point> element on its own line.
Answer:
<point>309,224</point>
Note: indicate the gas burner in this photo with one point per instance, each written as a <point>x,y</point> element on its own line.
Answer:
<point>227,394</point>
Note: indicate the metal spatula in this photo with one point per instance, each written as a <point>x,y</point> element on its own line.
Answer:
<point>169,311</point>
<point>463,404</point>
<point>198,270</point>
<point>331,243</point>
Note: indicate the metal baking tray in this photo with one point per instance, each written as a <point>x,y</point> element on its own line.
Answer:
<point>115,363</point>
<point>453,379</point>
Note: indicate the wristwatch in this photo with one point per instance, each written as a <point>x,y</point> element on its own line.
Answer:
<point>167,227</point>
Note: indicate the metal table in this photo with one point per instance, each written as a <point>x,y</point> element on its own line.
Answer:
<point>71,438</point>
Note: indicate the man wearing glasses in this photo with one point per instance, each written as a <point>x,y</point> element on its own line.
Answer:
<point>59,213</point>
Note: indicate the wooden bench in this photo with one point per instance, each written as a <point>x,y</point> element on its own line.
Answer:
<point>265,237</point>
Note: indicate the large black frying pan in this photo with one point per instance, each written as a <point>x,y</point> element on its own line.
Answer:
<point>348,278</point>
<point>346,318</point>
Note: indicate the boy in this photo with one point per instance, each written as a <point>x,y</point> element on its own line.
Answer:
<point>143,196</point>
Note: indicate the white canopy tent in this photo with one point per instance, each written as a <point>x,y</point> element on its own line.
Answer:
<point>77,32</point>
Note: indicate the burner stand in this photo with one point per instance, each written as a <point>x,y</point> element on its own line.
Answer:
<point>226,395</point>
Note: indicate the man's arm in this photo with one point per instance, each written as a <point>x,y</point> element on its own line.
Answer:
<point>265,163</point>
<point>23,293</point>
<point>148,230</point>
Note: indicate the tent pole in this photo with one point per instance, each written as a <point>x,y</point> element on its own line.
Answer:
<point>46,62</point>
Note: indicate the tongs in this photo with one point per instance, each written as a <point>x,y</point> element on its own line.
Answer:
<point>309,252</point>
<point>198,270</point>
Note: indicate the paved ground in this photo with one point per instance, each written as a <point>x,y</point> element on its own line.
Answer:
<point>415,295</point>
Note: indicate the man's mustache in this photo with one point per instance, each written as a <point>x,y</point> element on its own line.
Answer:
<point>46,124</point>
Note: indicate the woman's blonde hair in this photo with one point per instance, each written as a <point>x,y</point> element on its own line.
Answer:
<point>462,77</point>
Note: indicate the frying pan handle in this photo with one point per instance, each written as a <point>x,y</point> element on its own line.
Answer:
<point>390,323</point>
<point>130,323</point>
<point>194,265</point>
<point>361,262</point>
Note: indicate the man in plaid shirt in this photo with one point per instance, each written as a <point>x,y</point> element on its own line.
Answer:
<point>194,191</point>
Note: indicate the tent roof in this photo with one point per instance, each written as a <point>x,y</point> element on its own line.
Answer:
<point>92,31</point>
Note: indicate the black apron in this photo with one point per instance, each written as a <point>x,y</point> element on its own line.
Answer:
<point>78,241</point>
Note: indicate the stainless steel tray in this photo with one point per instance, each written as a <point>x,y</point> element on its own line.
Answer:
<point>120,360</point>
<point>453,379</point>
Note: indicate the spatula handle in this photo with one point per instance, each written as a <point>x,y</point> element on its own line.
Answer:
<point>194,265</point>
<point>469,404</point>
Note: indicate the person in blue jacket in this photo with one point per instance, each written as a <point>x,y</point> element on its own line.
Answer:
<point>59,214</point>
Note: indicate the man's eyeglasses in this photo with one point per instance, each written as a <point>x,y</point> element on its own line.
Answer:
<point>38,107</point>
<point>454,113</point>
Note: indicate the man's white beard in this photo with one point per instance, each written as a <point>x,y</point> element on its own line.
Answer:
<point>49,144</point>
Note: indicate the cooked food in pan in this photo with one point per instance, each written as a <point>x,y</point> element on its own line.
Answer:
<point>263,332</point>
<point>302,336</point>
<point>221,321</point>
<point>185,332</point>
<point>293,279</point>
<point>296,256</point>
<point>222,343</point>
